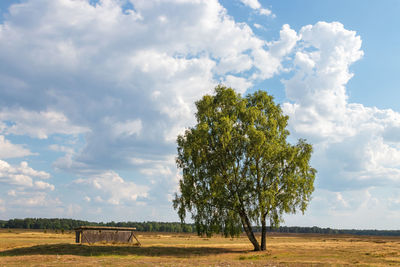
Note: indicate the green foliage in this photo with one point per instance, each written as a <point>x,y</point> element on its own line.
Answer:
<point>70,224</point>
<point>318,230</point>
<point>237,166</point>
<point>39,223</point>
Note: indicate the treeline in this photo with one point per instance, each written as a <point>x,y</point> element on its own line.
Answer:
<point>318,230</point>
<point>70,224</point>
<point>173,227</point>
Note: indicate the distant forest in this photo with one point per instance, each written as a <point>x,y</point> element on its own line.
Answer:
<point>175,227</point>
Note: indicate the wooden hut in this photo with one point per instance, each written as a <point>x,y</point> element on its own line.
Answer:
<point>93,234</point>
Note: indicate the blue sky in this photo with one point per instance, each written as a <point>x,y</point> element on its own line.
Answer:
<point>94,93</point>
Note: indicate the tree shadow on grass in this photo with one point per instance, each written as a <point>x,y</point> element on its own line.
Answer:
<point>115,250</point>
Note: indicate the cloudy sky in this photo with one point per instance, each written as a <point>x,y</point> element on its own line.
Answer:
<point>94,93</point>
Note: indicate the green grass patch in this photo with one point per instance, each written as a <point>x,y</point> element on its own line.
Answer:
<point>267,255</point>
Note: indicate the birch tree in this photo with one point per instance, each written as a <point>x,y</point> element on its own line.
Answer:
<point>238,169</point>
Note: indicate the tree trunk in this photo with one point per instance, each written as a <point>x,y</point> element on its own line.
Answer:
<point>249,231</point>
<point>263,234</point>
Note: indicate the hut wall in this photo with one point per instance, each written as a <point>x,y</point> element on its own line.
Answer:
<point>109,236</point>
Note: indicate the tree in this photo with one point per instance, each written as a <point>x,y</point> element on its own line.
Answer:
<point>238,168</point>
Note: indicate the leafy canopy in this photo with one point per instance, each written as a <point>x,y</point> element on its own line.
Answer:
<point>238,168</point>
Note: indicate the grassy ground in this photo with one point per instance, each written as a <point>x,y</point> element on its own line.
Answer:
<point>36,248</point>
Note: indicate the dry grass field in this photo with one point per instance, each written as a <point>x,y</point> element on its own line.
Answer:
<point>36,248</point>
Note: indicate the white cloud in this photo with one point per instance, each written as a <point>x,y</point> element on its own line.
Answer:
<point>254,4</point>
<point>26,170</point>
<point>340,199</point>
<point>73,210</point>
<point>354,144</point>
<point>126,128</point>
<point>10,175</point>
<point>238,83</point>
<point>59,148</point>
<point>43,185</point>
<point>394,203</point>
<point>270,62</point>
<point>9,150</point>
<point>12,193</point>
<point>21,175</point>
<point>350,209</point>
<point>98,199</point>
<point>157,170</point>
<point>38,200</point>
<point>35,199</point>
<point>266,12</point>
<point>125,80</point>
<point>115,189</point>
<point>258,26</point>
<point>37,124</point>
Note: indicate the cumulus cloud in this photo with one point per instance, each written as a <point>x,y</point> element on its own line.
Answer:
<point>240,84</point>
<point>270,62</point>
<point>21,175</point>
<point>9,150</point>
<point>114,188</point>
<point>254,4</point>
<point>12,193</point>
<point>354,144</point>
<point>34,199</point>
<point>394,203</point>
<point>24,188</point>
<point>351,209</point>
<point>38,124</point>
<point>125,79</point>
<point>258,26</point>
<point>43,185</point>
<point>126,128</point>
<point>341,200</point>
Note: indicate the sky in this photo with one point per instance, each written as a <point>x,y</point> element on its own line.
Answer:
<point>94,93</point>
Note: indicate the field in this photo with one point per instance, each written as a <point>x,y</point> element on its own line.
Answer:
<point>36,248</point>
